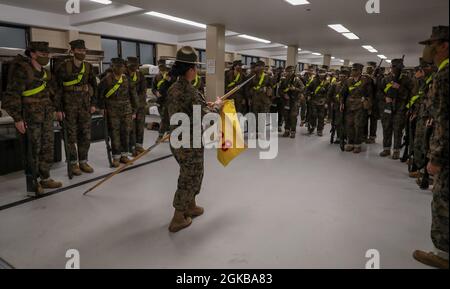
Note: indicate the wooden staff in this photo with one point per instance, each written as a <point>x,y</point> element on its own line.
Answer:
<point>119,170</point>
<point>167,137</point>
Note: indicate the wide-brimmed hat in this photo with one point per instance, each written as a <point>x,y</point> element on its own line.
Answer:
<point>438,33</point>
<point>187,54</point>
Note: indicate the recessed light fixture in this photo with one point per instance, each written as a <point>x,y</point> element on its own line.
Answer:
<point>299,49</point>
<point>285,46</point>
<point>254,38</point>
<point>332,57</point>
<point>370,48</point>
<point>176,19</point>
<point>297,2</point>
<point>382,56</point>
<point>351,36</point>
<point>104,2</point>
<point>339,28</point>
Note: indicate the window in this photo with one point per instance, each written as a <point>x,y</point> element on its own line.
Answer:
<point>202,57</point>
<point>280,63</point>
<point>147,53</point>
<point>301,66</point>
<point>13,36</point>
<point>125,48</point>
<point>128,49</point>
<point>247,60</point>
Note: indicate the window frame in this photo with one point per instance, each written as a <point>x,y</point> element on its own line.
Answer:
<point>138,47</point>
<point>18,26</point>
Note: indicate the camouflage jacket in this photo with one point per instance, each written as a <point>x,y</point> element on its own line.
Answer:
<point>83,91</point>
<point>181,98</point>
<point>139,84</point>
<point>161,84</point>
<point>199,84</point>
<point>318,91</point>
<point>292,88</point>
<point>400,96</point>
<point>19,100</point>
<point>125,93</point>
<point>334,92</point>
<point>260,89</point>
<point>438,153</point>
<point>231,81</point>
<point>355,92</point>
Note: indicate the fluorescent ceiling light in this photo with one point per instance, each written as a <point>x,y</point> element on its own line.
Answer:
<point>341,60</point>
<point>285,46</point>
<point>105,2</point>
<point>339,28</point>
<point>370,48</point>
<point>332,57</point>
<point>388,60</point>
<point>176,19</point>
<point>254,38</point>
<point>297,2</point>
<point>382,56</point>
<point>350,36</point>
<point>315,53</point>
<point>299,49</point>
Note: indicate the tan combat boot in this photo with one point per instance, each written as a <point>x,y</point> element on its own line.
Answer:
<point>302,124</point>
<point>116,163</point>
<point>39,191</point>
<point>349,148</point>
<point>320,133</point>
<point>125,160</point>
<point>139,150</point>
<point>430,259</point>
<point>76,170</point>
<point>371,140</point>
<point>194,211</point>
<point>396,155</point>
<point>50,184</point>
<point>293,133</point>
<point>357,150</point>
<point>86,168</point>
<point>286,134</point>
<point>385,153</point>
<point>414,175</point>
<point>179,222</point>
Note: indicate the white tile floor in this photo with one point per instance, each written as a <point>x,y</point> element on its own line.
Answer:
<point>312,207</point>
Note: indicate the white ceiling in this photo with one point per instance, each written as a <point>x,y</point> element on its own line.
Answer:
<point>53,6</point>
<point>394,32</point>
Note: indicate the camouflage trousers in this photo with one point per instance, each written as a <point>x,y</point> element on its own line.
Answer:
<point>317,117</point>
<point>165,121</point>
<point>137,131</point>
<point>42,147</point>
<point>303,110</point>
<point>277,108</point>
<point>240,103</point>
<point>370,125</point>
<point>393,125</point>
<point>78,123</point>
<point>259,107</point>
<point>290,111</point>
<point>337,120</point>
<point>120,121</point>
<point>190,178</point>
<point>420,143</point>
<point>354,121</point>
<point>439,209</point>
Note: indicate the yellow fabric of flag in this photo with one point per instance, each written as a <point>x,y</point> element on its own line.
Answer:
<point>232,141</point>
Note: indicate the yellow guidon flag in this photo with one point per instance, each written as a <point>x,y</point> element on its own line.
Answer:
<point>232,142</point>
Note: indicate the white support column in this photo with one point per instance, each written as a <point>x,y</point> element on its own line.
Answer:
<point>73,35</point>
<point>292,56</point>
<point>327,60</point>
<point>215,57</point>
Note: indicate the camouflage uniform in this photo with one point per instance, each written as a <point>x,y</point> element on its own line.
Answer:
<point>260,89</point>
<point>160,85</point>
<point>334,100</point>
<point>291,90</point>
<point>304,102</point>
<point>139,84</point>
<point>394,116</point>
<point>120,106</point>
<point>80,94</point>
<point>355,93</point>
<point>181,98</point>
<point>199,84</point>
<point>231,81</point>
<point>36,108</point>
<point>371,112</point>
<point>439,155</point>
<point>317,92</point>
